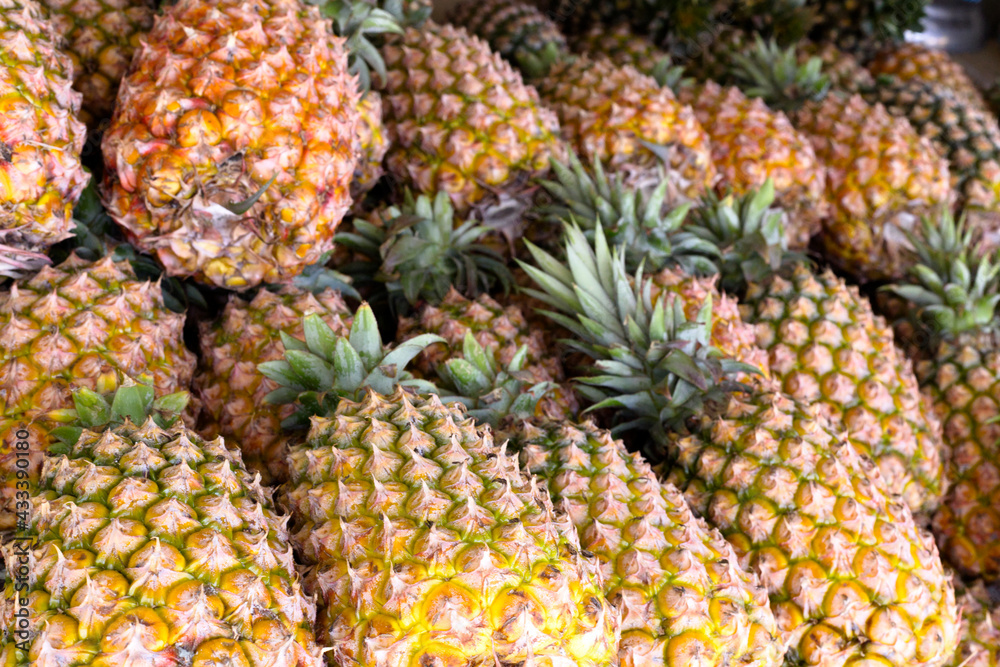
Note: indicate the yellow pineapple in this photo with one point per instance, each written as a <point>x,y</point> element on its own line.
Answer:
<point>233,166</point>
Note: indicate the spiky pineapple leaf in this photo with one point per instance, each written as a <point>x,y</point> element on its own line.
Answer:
<point>327,368</point>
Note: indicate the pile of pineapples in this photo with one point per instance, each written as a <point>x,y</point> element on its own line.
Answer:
<point>647,332</point>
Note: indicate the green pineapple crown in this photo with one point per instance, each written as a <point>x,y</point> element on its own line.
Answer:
<point>132,401</point>
<point>363,23</point>
<point>326,368</point>
<point>746,234</point>
<point>650,361</point>
<point>648,233</point>
<point>774,74</point>
<point>956,289</point>
<point>416,253</point>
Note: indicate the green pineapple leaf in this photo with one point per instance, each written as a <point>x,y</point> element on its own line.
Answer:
<point>327,368</point>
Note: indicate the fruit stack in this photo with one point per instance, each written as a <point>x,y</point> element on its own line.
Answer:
<point>546,333</point>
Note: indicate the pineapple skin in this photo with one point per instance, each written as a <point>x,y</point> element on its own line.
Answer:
<point>277,102</point>
<point>372,144</point>
<point>429,545</point>
<point>675,581</point>
<point>961,132</point>
<point>501,330</point>
<point>961,379</point>
<point>980,643</point>
<point>153,547</point>
<point>845,72</point>
<point>850,575</point>
<point>751,143</point>
<point>42,136</point>
<point>100,36</point>
<point>461,119</point>
<point>231,389</point>
<point>605,111</point>
<point>919,63</point>
<point>828,350</point>
<point>881,179</point>
<point>620,45</point>
<point>78,325</point>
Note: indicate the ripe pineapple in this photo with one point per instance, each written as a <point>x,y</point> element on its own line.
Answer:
<point>233,166</point>
<point>100,37</point>
<point>79,324</point>
<point>966,135</point>
<point>846,74</point>
<point>461,119</point>
<point>150,546</point>
<point>850,575</point>
<point>675,581</point>
<point>427,543</point>
<point>500,330</point>
<point>40,139</point>
<point>919,63</point>
<point>373,144</point>
<point>980,644</point>
<point>607,112</point>
<point>955,296</point>
<point>230,387</point>
<point>881,175</point>
<point>752,144</point>
<point>826,347</point>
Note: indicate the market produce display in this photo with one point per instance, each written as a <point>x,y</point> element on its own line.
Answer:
<point>512,333</point>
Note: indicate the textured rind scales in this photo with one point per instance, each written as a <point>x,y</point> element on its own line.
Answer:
<point>41,136</point>
<point>80,324</point>
<point>980,642</point>
<point>431,546</point>
<point>221,98</point>
<point>461,119</point>
<point>605,110</point>
<point>153,547</point>
<point>910,61</point>
<point>677,584</point>
<point>751,143</point>
<point>372,145</point>
<point>233,391</point>
<point>100,37</point>
<point>962,132</point>
<point>962,379</point>
<point>850,575</point>
<point>829,350</point>
<point>501,330</point>
<point>881,178</point>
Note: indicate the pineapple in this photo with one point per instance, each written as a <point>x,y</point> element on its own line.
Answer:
<point>682,596</point>
<point>881,175</point>
<point>609,113</point>
<point>921,64</point>
<point>78,325</point>
<point>955,295</point>
<point>150,546</point>
<point>962,132</point>
<point>41,138</point>
<point>234,166</point>
<point>849,574</point>
<point>992,95</point>
<point>980,644</point>
<point>502,331</point>
<point>826,347</point>
<point>750,143</point>
<point>426,542</point>
<point>372,145</point>
<point>230,387</point>
<point>461,120</point>
<point>100,37</point>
